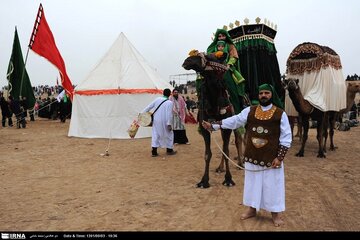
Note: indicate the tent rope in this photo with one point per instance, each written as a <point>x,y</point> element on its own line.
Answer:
<point>108,146</point>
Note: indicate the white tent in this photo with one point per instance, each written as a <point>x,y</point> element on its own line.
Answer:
<point>116,90</point>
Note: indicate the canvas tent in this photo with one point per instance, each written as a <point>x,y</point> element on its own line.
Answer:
<point>120,86</point>
<point>319,71</point>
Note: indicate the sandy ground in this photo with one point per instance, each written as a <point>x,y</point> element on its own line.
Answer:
<point>50,182</point>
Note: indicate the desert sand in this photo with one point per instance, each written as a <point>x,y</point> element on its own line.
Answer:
<point>50,182</point>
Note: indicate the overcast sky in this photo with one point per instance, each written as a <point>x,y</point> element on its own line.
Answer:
<point>164,31</point>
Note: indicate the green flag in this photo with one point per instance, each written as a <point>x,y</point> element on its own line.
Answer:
<point>19,82</point>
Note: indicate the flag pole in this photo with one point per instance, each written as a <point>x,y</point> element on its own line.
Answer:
<point>37,20</point>
<point>23,72</point>
<point>36,25</point>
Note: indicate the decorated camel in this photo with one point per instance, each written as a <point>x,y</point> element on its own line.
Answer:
<point>319,91</point>
<point>326,120</point>
<point>351,90</point>
<point>214,105</point>
<point>307,111</point>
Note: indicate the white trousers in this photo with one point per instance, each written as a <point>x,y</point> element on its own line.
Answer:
<point>264,189</point>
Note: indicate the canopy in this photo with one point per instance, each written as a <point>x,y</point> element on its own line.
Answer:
<point>319,71</point>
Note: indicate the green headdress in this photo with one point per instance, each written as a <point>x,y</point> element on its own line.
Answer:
<point>275,98</point>
<point>220,43</point>
<point>212,47</point>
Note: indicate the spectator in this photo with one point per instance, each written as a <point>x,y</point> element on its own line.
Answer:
<point>162,134</point>
<point>179,113</point>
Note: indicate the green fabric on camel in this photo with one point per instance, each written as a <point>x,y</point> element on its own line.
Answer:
<point>234,81</point>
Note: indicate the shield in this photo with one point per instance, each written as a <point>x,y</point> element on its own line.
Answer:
<point>145,119</point>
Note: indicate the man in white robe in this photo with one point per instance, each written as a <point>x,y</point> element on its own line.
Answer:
<point>269,138</point>
<point>162,134</point>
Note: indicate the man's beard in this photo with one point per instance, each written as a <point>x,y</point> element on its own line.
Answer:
<point>265,102</point>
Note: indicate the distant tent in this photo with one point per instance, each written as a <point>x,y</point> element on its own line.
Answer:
<point>116,90</point>
<point>319,71</point>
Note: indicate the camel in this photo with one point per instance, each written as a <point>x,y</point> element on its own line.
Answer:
<point>307,111</point>
<point>351,90</point>
<point>293,116</point>
<point>214,106</point>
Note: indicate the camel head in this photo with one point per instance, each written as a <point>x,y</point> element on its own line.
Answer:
<point>201,62</point>
<point>195,62</point>
<point>290,83</point>
<point>353,87</point>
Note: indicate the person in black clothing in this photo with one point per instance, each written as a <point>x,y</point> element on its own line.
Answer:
<point>353,112</point>
<point>17,110</point>
<point>5,112</point>
<point>188,103</point>
<point>64,109</point>
<point>31,113</point>
<point>24,107</point>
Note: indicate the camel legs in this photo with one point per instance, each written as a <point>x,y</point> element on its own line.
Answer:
<point>292,123</point>
<point>204,183</point>
<point>320,127</point>
<point>327,125</point>
<point>225,134</point>
<point>330,124</point>
<point>305,124</point>
<point>239,144</point>
<point>332,120</point>
<point>292,120</point>
<point>239,140</point>
<point>299,128</point>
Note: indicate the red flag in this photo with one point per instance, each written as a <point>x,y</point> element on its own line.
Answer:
<point>43,43</point>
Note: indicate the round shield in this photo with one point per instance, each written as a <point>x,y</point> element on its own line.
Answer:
<point>144,119</point>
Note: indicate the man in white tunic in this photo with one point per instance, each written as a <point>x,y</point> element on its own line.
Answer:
<point>162,134</point>
<point>268,140</point>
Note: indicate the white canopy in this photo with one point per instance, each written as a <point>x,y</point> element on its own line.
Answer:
<point>319,71</point>
<point>116,90</point>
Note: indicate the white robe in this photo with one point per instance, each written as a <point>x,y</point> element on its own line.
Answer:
<point>161,136</point>
<point>263,189</point>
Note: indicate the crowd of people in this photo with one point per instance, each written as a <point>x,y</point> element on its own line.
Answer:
<point>47,105</point>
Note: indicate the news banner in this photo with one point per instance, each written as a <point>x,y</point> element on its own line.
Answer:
<point>59,235</point>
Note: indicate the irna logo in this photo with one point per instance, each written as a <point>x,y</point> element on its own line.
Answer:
<point>13,236</point>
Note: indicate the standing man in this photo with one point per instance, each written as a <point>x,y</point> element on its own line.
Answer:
<point>269,138</point>
<point>188,103</point>
<point>5,112</point>
<point>179,112</point>
<point>16,108</point>
<point>162,134</point>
